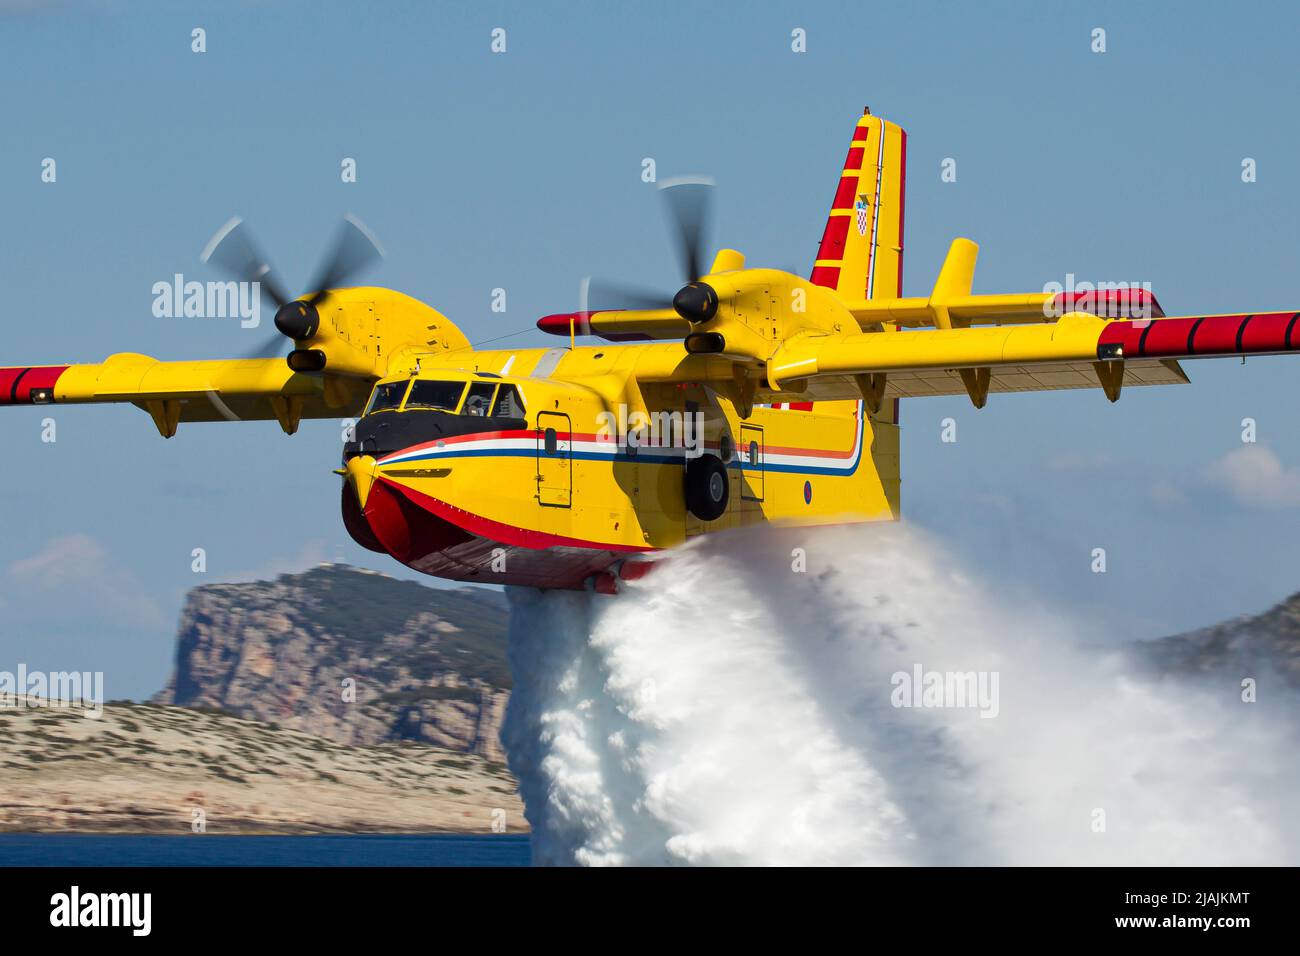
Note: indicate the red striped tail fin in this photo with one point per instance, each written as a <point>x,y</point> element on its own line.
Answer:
<point>861,252</point>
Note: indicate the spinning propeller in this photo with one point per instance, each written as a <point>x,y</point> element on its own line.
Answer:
<point>233,251</point>
<point>689,204</point>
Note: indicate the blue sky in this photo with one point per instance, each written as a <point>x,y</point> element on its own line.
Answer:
<point>522,171</point>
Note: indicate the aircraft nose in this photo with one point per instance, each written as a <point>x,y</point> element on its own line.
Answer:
<point>361,476</point>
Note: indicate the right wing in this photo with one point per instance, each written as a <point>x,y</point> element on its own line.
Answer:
<point>201,391</point>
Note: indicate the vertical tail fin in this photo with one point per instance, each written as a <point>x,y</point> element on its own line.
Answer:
<point>861,253</point>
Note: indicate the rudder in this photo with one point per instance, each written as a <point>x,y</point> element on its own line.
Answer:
<point>861,252</point>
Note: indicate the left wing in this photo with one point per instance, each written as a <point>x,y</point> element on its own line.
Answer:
<point>1076,351</point>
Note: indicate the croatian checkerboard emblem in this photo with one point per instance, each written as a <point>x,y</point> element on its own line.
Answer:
<point>862,208</point>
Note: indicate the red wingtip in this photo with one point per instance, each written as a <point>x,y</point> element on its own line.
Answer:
<point>18,385</point>
<point>560,323</point>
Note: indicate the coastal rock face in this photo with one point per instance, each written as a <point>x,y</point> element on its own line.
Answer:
<point>352,656</point>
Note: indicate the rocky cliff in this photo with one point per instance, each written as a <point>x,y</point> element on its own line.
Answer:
<point>1239,647</point>
<point>352,656</point>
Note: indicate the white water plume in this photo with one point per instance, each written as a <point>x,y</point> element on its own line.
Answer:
<point>728,708</point>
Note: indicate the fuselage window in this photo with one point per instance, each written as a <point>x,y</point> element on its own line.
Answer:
<point>479,400</point>
<point>444,396</point>
<point>386,395</point>
<point>508,403</point>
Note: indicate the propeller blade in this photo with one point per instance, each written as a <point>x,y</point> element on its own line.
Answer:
<point>689,201</point>
<point>269,348</point>
<point>599,296</point>
<point>355,248</point>
<point>231,249</point>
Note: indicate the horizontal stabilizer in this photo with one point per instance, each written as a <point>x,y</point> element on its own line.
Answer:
<point>1014,309</point>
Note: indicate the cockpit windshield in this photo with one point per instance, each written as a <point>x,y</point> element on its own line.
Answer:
<point>440,395</point>
<point>387,395</point>
<point>484,399</point>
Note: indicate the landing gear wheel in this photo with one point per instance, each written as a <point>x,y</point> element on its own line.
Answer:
<point>707,487</point>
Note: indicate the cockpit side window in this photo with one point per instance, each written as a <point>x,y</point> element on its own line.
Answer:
<point>386,395</point>
<point>444,396</point>
<point>479,400</point>
<point>508,403</point>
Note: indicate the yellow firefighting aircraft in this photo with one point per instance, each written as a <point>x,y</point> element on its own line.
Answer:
<point>756,396</point>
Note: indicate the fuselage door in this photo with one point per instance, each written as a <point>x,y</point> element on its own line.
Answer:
<point>750,453</point>
<point>554,460</point>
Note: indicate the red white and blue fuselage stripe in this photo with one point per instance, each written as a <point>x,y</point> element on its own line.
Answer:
<point>522,443</point>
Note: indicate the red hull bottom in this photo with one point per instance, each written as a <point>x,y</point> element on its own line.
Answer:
<point>434,538</point>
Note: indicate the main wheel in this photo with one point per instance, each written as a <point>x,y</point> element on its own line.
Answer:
<point>707,487</point>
